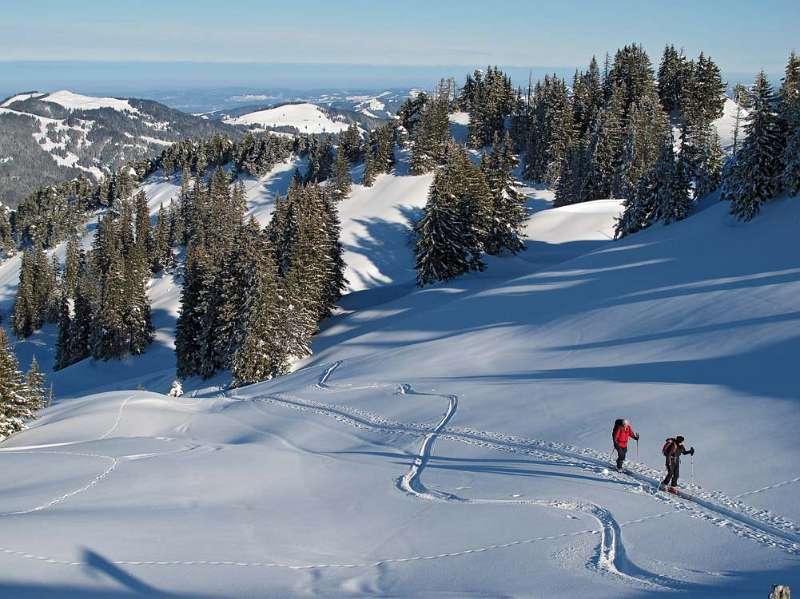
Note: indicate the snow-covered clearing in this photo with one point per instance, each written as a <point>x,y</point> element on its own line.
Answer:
<point>450,440</point>
<point>305,117</point>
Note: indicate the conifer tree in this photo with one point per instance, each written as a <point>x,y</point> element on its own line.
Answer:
<point>34,387</point>
<point>351,144</point>
<point>263,351</point>
<point>453,228</point>
<point>508,207</point>
<point>671,78</point>
<point>756,174</point>
<point>370,161</point>
<point>342,181</point>
<point>441,250</point>
<point>432,132</point>
<point>16,407</point>
<point>789,114</point>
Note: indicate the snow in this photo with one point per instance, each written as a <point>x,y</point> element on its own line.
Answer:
<point>305,117</point>
<point>460,118</point>
<point>376,230</point>
<point>451,440</point>
<point>726,124</point>
<point>73,101</point>
<point>21,98</point>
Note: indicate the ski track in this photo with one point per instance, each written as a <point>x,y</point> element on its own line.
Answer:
<point>746,521</point>
<point>752,523</point>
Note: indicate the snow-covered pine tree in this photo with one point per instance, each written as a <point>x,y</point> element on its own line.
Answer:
<point>15,404</point>
<point>508,207</point>
<point>63,342</point>
<point>757,170</point>
<point>638,209</point>
<point>370,161</point>
<point>432,132</point>
<point>789,113</point>
<point>551,130</point>
<point>671,74</point>
<point>411,110</point>
<point>263,351</point>
<point>143,227</point>
<point>342,182</point>
<point>605,148</point>
<point>441,251</point>
<point>351,144</point>
<point>35,392</point>
<point>199,277</point>
<point>452,230</point>
<point>335,282</point>
<point>26,318</point>
<point>237,281</point>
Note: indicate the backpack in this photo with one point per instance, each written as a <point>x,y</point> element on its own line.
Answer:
<point>618,424</point>
<point>667,448</point>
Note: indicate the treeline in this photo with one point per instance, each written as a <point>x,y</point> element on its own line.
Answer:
<point>51,214</point>
<point>252,298</point>
<point>610,134</point>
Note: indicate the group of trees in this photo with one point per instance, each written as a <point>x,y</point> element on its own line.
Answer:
<point>768,160</point>
<point>104,310</point>
<point>470,210</point>
<point>489,98</point>
<point>21,395</point>
<point>252,298</point>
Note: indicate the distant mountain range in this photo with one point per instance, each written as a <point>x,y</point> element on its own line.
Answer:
<point>50,137</point>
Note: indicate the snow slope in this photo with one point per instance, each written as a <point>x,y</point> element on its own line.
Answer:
<point>73,101</point>
<point>451,440</point>
<point>305,117</point>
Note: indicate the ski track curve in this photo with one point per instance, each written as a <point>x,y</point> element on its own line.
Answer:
<point>610,556</point>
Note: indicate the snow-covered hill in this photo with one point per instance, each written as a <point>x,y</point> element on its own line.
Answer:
<point>450,440</point>
<point>52,137</point>
<point>303,118</point>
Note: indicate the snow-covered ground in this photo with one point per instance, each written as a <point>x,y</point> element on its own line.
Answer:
<point>73,101</point>
<point>305,117</point>
<point>445,441</point>
<point>726,124</point>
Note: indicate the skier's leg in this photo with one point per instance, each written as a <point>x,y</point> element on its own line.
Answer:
<point>665,482</point>
<point>675,473</point>
<point>621,452</point>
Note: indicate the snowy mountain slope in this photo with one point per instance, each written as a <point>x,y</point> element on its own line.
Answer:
<point>53,137</point>
<point>73,101</point>
<point>452,440</point>
<point>303,118</point>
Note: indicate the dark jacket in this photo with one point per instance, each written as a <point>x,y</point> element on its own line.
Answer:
<point>675,451</point>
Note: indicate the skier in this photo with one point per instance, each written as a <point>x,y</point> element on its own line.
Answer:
<point>620,435</point>
<point>673,450</point>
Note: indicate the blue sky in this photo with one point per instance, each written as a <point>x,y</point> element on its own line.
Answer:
<point>741,35</point>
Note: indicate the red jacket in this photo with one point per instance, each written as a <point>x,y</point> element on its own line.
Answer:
<point>622,435</point>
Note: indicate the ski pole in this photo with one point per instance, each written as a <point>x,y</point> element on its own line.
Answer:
<point>637,450</point>
<point>691,461</point>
